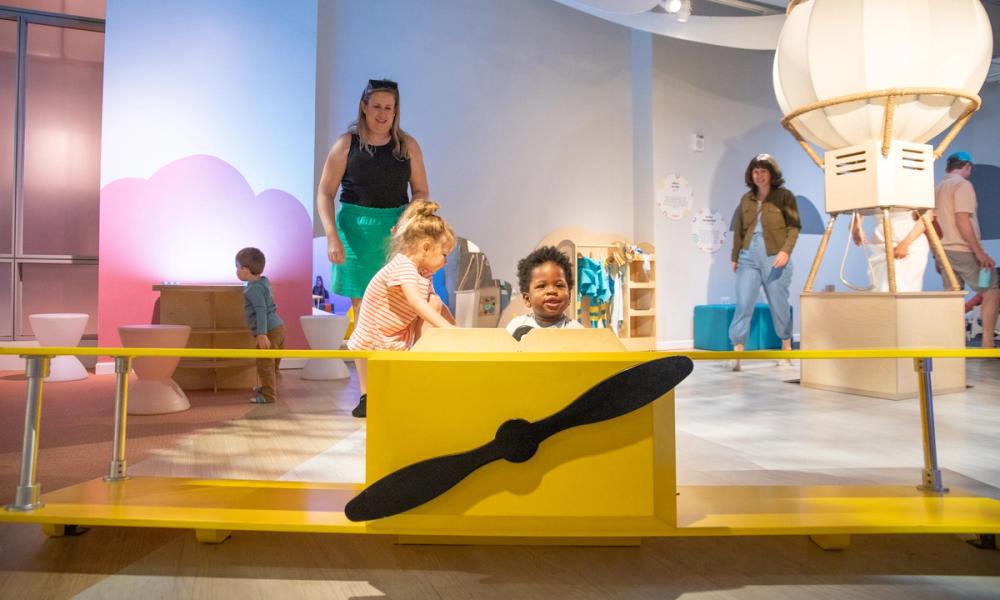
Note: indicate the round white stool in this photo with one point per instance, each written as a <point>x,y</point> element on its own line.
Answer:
<point>324,333</point>
<point>61,329</point>
<point>154,392</point>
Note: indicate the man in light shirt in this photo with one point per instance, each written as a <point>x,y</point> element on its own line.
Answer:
<point>955,209</point>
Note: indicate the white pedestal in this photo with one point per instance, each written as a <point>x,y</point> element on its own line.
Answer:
<point>154,392</point>
<point>324,332</point>
<point>835,321</point>
<point>61,329</point>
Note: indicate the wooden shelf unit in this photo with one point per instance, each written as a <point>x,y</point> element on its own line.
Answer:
<point>217,320</point>
<point>639,325</point>
<point>638,328</point>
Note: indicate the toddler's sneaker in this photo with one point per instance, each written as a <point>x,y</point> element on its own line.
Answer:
<point>361,410</point>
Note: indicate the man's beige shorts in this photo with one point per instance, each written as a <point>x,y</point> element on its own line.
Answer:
<point>967,269</point>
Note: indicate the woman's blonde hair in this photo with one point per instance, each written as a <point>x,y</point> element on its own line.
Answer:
<point>417,223</point>
<point>397,137</point>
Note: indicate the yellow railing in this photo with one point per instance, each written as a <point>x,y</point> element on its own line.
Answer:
<point>625,357</point>
<point>37,367</point>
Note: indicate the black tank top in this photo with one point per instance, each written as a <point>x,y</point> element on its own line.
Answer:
<point>374,181</point>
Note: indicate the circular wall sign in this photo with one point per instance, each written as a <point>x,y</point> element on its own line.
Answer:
<point>708,229</point>
<point>674,197</point>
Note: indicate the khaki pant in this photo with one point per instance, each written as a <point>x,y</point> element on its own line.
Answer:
<point>267,368</point>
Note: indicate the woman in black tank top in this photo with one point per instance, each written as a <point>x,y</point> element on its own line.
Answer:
<point>373,164</point>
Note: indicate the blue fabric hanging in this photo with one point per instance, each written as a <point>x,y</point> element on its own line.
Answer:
<point>592,280</point>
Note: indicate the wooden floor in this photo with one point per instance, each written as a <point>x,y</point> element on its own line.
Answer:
<point>733,428</point>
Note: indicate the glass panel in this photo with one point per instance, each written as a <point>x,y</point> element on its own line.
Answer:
<point>49,287</point>
<point>62,145</point>
<point>79,8</point>
<point>8,95</point>
<point>6,283</point>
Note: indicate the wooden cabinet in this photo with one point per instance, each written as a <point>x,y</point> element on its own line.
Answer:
<point>217,320</point>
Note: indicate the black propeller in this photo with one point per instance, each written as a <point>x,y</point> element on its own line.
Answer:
<point>521,331</point>
<point>517,440</point>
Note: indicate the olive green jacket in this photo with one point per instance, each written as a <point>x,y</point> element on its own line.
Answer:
<point>779,221</point>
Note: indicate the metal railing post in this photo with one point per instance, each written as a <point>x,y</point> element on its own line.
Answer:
<point>118,465</point>
<point>931,481</point>
<point>36,369</point>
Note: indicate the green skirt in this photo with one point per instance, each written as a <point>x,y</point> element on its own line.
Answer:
<point>365,233</point>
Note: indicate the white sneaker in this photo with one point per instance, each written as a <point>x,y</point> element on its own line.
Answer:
<point>734,365</point>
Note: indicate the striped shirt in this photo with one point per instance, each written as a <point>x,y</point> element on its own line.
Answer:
<point>387,319</point>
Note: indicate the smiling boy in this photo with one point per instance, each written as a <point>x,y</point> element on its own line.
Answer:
<point>545,278</point>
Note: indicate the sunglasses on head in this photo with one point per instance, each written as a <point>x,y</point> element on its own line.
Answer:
<point>382,84</point>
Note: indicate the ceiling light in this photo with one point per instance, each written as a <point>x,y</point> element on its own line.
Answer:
<point>673,6</point>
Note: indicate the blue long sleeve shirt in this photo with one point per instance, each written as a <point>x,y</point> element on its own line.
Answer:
<point>262,313</point>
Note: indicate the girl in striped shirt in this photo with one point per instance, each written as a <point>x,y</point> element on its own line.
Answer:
<point>400,299</point>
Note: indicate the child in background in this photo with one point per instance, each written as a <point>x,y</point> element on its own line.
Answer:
<point>545,278</point>
<point>400,299</point>
<point>263,319</point>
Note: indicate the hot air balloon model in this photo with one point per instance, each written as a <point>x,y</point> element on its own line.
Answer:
<point>870,82</point>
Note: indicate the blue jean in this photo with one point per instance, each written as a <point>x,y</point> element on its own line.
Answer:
<point>754,268</point>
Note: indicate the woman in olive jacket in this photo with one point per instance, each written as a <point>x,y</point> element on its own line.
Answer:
<point>764,234</point>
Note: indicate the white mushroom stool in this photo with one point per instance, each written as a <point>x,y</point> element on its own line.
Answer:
<point>154,392</point>
<point>324,332</point>
<point>61,329</point>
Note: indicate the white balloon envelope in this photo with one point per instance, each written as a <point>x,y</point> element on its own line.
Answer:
<point>832,49</point>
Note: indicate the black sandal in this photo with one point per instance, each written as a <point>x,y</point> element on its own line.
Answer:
<point>361,410</point>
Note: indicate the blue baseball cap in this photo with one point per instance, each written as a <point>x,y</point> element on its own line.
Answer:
<point>960,156</point>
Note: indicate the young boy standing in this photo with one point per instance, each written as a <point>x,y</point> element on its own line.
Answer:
<point>263,319</point>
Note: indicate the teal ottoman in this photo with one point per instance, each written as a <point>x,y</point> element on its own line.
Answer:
<point>711,328</point>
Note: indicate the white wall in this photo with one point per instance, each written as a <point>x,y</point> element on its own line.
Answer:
<point>223,78</point>
<point>726,95</point>
<point>523,109</point>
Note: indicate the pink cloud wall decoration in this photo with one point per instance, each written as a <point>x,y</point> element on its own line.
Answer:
<point>185,224</point>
